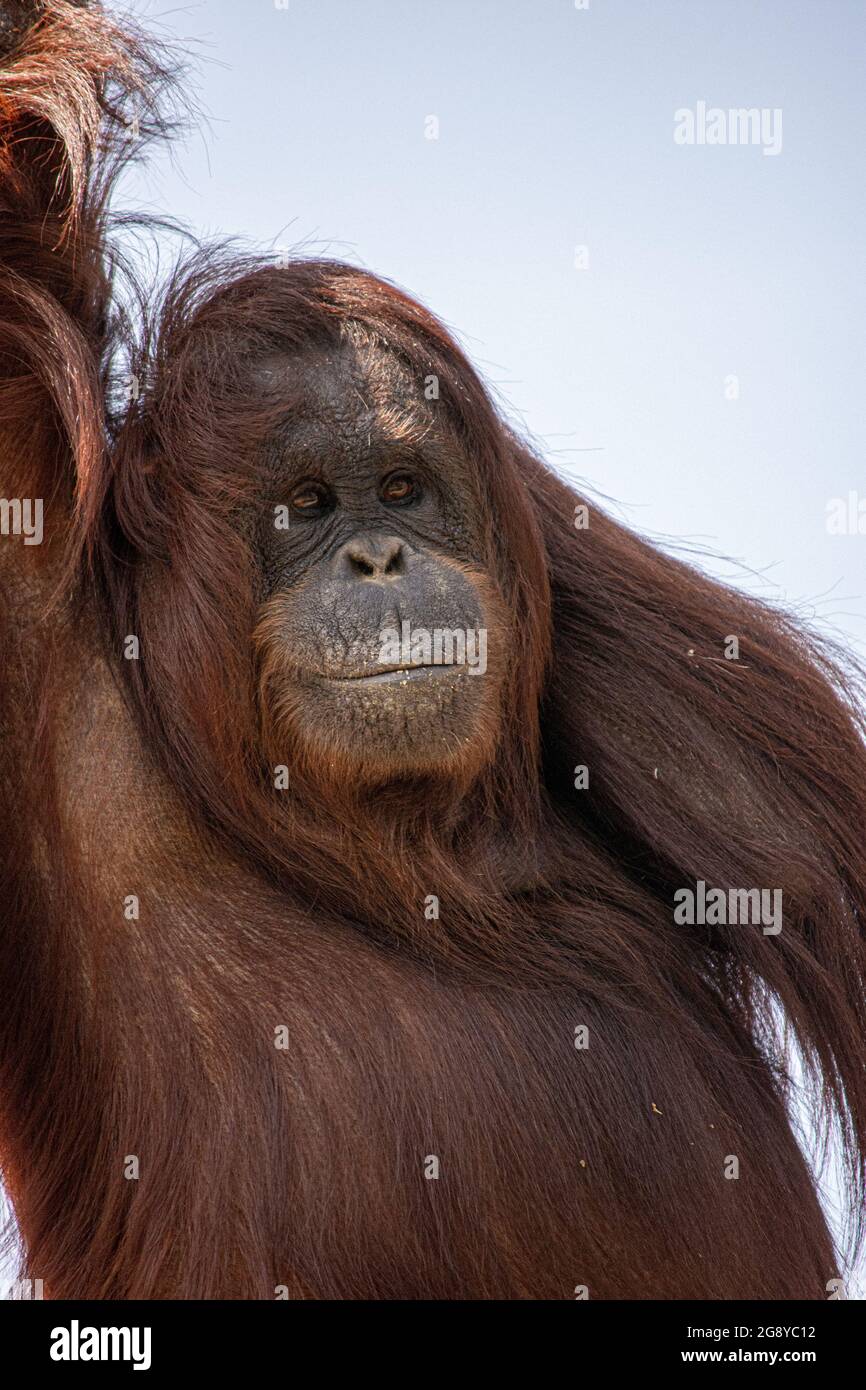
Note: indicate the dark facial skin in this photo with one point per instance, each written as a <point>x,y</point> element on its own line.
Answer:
<point>368,525</point>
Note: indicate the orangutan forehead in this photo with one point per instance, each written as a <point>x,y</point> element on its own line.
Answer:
<point>355,393</point>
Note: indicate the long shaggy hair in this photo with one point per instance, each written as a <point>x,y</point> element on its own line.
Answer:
<point>410,1034</point>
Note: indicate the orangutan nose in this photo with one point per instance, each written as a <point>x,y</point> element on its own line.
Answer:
<point>372,558</point>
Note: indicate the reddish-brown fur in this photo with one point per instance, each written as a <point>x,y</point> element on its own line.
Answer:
<point>408,1037</point>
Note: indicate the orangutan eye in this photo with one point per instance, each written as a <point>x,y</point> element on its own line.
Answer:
<point>311,498</point>
<point>399,489</point>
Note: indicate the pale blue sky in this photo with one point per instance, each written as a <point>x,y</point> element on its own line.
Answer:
<point>556,130</point>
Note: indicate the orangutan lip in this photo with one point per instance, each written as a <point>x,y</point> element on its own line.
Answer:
<point>396,674</point>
